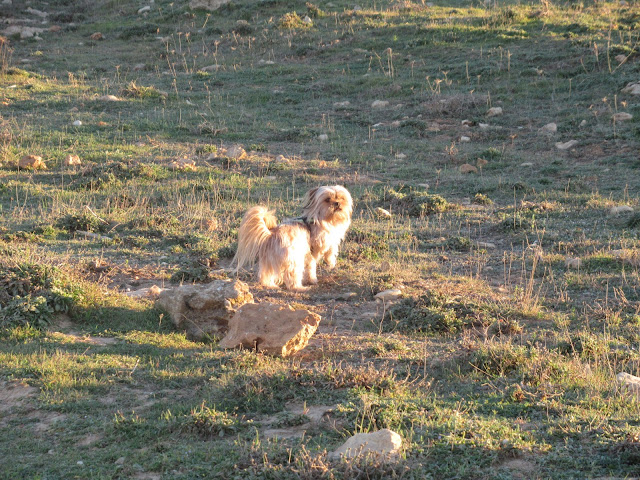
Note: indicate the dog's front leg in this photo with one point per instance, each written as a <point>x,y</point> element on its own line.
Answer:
<point>331,256</point>
<point>311,268</point>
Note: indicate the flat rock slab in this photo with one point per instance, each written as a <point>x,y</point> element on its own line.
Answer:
<point>274,329</point>
<point>204,310</point>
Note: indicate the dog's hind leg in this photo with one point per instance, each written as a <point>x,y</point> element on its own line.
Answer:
<point>293,274</point>
<point>310,268</point>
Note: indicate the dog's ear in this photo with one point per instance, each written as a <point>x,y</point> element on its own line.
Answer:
<point>309,198</point>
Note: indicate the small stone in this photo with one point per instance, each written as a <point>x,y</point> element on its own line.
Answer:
<point>138,67</point>
<point>383,443</point>
<point>307,20</point>
<point>72,161</point>
<point>282,159</point>
<point>346,296</point>
<point>620,209</point>
<point>468,168</point>
<point>144,9</point>
<point>55,28</point>
<point>632,88</point>
<point>467,123</point>
<point>51,452</point>
<point>400,156</point>
<point>485,245</point>
<point>566,145</point>
<point>526,164</point>
<point>236,152</point>
<point>344,104</point>
<point>573,263</point>
<point>108,98</point>
<point>120,461</point>
<point>266,62</point>
<point>211,68</point>
<point>80,462</point>
<point>77,123</point>
<point>388,295</point>
<point>184,165</point>
<point>621,58</point>
<point>621,116</point>
<point>629,382</point>
<point>382,213</point>
<point>481,162</point>
<point>380,104</point>
<point>97,36</point>
<point>465,139</point>
<point>483,126</point>
<point>272,329</point>
<point>549,128</point>
<point>32,162</point>
<point>494,111</point>
<point>38,13</point>
<point>396,123</point>
<point>323,137</point>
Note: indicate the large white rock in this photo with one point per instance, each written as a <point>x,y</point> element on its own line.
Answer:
<point>632,88</point>
<point>204,310</point>
<point>385,443</point>
<point>273,329</point>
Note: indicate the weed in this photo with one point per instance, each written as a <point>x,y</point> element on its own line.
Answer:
<point>416,203</point>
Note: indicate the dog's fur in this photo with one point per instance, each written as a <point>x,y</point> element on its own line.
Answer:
<point>286,251</point>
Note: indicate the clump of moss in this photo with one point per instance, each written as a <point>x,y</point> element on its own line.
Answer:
<point>416,203</point>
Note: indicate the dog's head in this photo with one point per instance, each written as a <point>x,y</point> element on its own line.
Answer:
<point>328,204</point>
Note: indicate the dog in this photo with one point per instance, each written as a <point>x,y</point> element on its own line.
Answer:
<point>287,251</point>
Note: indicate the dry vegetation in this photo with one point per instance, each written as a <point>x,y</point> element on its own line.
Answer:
<point>520,281</point>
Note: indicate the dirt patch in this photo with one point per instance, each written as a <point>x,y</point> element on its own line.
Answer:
<point>13,394</point>
<point>519,467</point>
<point>46,420</point>
<point>90,440</point>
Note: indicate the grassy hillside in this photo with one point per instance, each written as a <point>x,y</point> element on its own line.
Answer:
<point>520,280</point>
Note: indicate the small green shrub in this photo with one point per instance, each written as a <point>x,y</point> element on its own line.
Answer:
<point>292,21</point>
<point>26,311</point>
<point>209,422</point>
<point>190,274</point>
<point>81,221</point>
<point>435,313</point>
<point>416,203</point>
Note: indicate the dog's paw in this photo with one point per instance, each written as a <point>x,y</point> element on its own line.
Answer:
<point>313,281</point>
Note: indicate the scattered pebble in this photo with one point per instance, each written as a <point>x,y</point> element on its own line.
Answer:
<point>184,165</point>
<point>108,98</point>
<point>282,159</point>
<point>236,152</point>
<point>144,9</point>
<point>465,139</point>
<point>583,123</point>
<point>526,164</point>
<point>481,162</point>
<point>388,295</point>
<point>468,168</point>
<point>483,126</point>
<point>266,62</point>
<point>97,36</point>
<point>307,20</point>
<point>566,145</point>
<point>467,123</point>
<point>346,103</point>
<point>632,88</point>
<point>381,212</point>
<point>55,28</point>
<point>620,209</point>
<point>138,67</point>
<point>33,162</point>
<point>494,111</point>
<point>549,128</point>
<point>120,461</point>
<point>77,123</point>
<point>574,263</point>
<point>72,161</point>
<point>80,462</point>
<point>380,104</point>
<point>212,68</point>
<point>485,245</point>
<point>621,116</point>
<point>400,156</point>
<point>396,123</point>
<point>621,58</point>
<point>323,137</point>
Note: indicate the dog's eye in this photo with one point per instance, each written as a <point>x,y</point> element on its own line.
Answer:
<point>328,200</point>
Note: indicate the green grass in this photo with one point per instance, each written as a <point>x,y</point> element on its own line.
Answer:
<point>499,361</point>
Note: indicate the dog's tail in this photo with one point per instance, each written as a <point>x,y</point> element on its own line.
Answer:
<point>254,230</point>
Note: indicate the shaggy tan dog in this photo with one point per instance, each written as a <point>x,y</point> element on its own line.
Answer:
<point>286,251</point>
